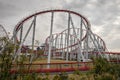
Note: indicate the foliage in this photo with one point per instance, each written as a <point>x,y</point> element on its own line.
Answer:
<point>61,76</point>
<point>6,60</point>
<point>100,66</point>
<point>103,70</point>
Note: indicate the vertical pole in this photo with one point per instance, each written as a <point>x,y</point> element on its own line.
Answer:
<point>33,37</point>
<point>65,44</point>
<point>52,44</point>
<point>21,31</point>
<point>56,41</point>
<point>80,54</point>
<point>61,46</point>
<point>50,41</point>
<point>87,42</point>
<point>71,52</point>
<point>81,31</point>
<point>68,36</point>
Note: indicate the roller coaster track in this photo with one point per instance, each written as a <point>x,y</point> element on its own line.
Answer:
<point>85,41</point>
<point>60,67</point>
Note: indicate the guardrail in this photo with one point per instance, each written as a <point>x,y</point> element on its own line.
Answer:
<point>54,67</point>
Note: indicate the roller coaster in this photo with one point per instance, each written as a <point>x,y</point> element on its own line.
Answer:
<point>65,34</point>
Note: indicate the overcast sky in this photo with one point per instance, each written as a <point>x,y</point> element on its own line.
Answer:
<point>104,15</point>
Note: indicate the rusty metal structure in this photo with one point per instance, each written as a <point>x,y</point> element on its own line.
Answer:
<point>60,34</point>
<point>69,35</point>
<point>59,45</point>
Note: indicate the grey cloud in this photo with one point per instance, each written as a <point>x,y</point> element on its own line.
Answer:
<point>7,10</point>
<point>101,13</point>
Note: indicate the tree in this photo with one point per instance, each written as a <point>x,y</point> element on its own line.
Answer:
<point>6,59</point>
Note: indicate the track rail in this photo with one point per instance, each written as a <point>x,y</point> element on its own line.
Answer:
<point>59,67</point>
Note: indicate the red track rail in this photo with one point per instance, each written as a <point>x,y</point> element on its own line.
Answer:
<point>56,67</point>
